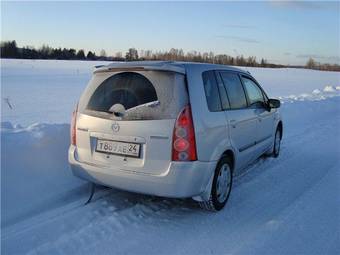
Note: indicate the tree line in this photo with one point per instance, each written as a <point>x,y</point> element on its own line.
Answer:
<point>312,64</point>
<point>9,49</point>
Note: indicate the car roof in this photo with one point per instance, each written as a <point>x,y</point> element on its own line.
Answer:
<point>175,66</point>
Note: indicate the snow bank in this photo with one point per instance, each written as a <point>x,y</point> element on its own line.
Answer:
<point>315,95</point>
<point>329,89</point>
<point>35,175</point>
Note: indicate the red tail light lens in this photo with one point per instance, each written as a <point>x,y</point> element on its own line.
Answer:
<point>74,126</point>
<point>183,141</point>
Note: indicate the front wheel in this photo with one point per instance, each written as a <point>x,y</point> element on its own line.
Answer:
<point>221,186</point>
<point>277,143</point>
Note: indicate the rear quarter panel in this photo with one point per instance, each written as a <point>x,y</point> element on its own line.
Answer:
<point>212,135</point>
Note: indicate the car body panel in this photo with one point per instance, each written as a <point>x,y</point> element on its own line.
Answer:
<point>180,179</point>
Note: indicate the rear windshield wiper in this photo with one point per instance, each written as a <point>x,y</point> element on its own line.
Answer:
<point>149,104</point>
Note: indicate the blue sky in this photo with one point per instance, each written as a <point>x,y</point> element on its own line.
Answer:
<point>282,32</point>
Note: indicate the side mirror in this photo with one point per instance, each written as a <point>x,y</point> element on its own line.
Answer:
<point>274,103</point>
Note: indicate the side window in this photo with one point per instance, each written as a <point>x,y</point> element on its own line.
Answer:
<point>211,91</point>
<point>254,93</point>
<point>233,85</point>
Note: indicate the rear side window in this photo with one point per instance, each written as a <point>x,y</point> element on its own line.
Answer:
<point>233,85</point>
<point>211,91</point>
<point>255,94</point>
<point>128,89</point>
<point>140,95</point>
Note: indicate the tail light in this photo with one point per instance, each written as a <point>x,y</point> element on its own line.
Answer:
<point>183,141</point>
<point>74,126</point>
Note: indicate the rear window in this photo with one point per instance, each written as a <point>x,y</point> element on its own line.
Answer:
<point>128,89</point>
<point>144,95</point>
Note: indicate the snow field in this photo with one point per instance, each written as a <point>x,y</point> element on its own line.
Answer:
<point>289,205</point>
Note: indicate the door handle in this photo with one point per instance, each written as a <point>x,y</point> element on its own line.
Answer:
<point>233,123</point>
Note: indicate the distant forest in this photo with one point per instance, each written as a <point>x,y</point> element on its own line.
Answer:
<point>9,49</point>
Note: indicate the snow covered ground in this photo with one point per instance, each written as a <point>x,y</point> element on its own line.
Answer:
<point>43,91</point>
<point>289,205</point>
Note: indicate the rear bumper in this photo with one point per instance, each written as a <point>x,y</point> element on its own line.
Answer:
<point>182,179</point>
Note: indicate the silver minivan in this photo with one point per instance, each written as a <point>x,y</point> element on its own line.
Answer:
<point>172,129</point>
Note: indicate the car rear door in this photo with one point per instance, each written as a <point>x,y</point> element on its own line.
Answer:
<point>126,120</point>
<point>241,119</point>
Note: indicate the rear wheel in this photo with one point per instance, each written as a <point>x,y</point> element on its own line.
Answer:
<point>221,186</point>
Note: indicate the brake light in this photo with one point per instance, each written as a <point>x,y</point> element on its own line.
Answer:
<point>74,126</point>
<point>183,141</point>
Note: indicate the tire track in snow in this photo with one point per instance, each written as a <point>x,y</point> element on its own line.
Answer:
<point>140,208</point>
<point>104,218</point>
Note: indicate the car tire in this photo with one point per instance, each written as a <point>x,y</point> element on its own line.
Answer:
<point>221,186</point>
<point>277,143</point>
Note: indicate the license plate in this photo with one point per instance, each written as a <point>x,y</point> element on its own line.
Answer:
<point>118,148</point>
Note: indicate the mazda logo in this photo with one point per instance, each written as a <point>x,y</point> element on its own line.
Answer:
<point>115,127</point>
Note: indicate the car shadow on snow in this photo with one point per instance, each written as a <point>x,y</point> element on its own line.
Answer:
<point>117,201</point>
